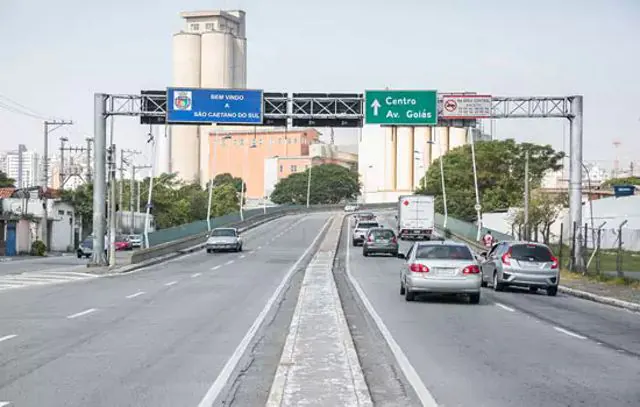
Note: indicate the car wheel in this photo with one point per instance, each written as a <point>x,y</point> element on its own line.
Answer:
<point>394,254</point>
<point>483,283</point>
<point>474,298</point>
<point>365,253</point>
<point>409,295</point>
<point>401,288</point>
<point>552,291</point>
<point>79,255</point>
<point>208,250</point>
<point>533,290</point>
<point>354,243</point>
<point>496,285</point>
<point>240,248</point>
<point>88,256</point>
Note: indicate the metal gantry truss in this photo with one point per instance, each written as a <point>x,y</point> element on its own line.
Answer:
<point>334,106</point>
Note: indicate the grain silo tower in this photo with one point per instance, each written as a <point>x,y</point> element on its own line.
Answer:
<point>211,52</point>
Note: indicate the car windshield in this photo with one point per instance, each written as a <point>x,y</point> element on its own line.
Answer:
<point>382,234</point>
<point>88,243</point>
<point>434,252</point>
<point>223,232</point>
<point>367,225</point>
<point>530,252</point>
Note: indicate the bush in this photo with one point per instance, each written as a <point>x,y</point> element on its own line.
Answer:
<point>38,248</point>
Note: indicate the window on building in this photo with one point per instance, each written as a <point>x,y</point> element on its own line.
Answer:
<point>195,27</point>
<point>69,213</point>
<point>209,27</point>
<point>294,168</point>
<point>242,142</point>
<point>281,168</point>
<point>61,213</point>
<point>295,141</point>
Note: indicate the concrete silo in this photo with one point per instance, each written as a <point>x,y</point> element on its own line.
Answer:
<point>441,142</point>
<point>390,153</point>
<point>405,159</point>
<point>457,137</point>
<point>186,72</point>
<point>422,136</point>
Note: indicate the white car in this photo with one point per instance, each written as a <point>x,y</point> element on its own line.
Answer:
<point>351,208</point>
<point>227,239</point>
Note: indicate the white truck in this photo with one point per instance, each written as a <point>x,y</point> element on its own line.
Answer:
<point>416,217</point>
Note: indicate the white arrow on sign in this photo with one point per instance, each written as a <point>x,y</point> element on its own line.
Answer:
<point>375,105</point>
<point>226,105</point>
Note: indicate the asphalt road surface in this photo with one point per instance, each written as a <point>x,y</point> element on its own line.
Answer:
<point>69,261</point>
<point>513,349</point>
<point>162,336</point>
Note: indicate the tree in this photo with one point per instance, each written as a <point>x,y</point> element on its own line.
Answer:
<point>621,181</point>
<point>500,169</point>
<point>226,178</point>
<point>224,200</point>
<point>330,184</point>
<point>544,209</point>
<point>81,199</point>
<point>6,182</point>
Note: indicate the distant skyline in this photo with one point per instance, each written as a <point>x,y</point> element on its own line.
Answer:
<point>55,55</point>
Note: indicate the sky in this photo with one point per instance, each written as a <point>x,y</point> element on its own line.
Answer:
<point>54,55</point>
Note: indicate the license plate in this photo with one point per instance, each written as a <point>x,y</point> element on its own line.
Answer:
<point>445,272</point>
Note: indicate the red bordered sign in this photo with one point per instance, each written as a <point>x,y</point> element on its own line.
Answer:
<point>466,106</point>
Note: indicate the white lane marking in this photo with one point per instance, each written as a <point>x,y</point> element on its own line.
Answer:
<point>259,247</point>
<point>216,267</point>
<point>4,403</point>
<point>407,368</point>
<point>566,332</point>
<point>139,293</point>
<point>242,256</point>
<point>505,307</point>
<point>170,283</point>
<point>6,338</point>
<point>194,275</point>
<point>221,381</point>
<point>229,262</point>
<point>79,314</point>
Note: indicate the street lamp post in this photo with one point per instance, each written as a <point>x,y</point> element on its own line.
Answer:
<point>444,190</point>
<point>242,190</point>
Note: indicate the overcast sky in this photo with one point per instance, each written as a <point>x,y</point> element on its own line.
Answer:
<point>55,54</point>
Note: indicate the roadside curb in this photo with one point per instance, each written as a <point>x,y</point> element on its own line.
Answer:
<point>599,298</point>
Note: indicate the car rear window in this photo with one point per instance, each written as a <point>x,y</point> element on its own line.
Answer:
<point>367,225</point>
<point>443,252</point>
<point>383,233</point>
<point>530,252</point>
<point>223,232</point>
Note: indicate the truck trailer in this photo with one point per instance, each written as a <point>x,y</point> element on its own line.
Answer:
<point>416,217</point>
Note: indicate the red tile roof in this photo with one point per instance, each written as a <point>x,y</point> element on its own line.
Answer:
<point>6,192</point>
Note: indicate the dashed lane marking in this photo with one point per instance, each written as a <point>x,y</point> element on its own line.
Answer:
<point>170,283</point>
<point>134,295</point>
<point>82,313</point>
<point>194,275</point>
<point>6,338</point>
<point>504,307</point>
<point>567,332</point>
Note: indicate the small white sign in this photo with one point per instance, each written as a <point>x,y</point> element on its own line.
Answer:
<point>466,106</point>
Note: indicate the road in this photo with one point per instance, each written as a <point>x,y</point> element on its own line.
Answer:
<point>513,349</point>
<point>161,336</point>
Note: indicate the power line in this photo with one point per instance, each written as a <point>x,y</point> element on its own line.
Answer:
<point>25,110</point>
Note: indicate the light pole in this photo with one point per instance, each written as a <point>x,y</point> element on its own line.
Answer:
<point>444,190</point>
<point>424,177</point>
<point>364,184</point>
<point>309,181</point>
<point>478,207</point>
<point>212,176</point>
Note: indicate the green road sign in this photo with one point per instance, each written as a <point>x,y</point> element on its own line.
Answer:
<point>401,107</point>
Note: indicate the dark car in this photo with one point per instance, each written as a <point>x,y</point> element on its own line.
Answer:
<point>380,241</point>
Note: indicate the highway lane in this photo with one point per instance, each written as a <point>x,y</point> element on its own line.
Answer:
<point>499,353</point>
<point>156,337</point>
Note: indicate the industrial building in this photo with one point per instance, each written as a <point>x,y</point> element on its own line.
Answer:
<point>393,160</point>
<point>210,52</point>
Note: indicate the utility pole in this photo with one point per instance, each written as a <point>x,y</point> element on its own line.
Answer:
<point>88,163</point>
<point>127,160</point>
<point>526,195</point>
<point>49,126</point>
<point>100,134</point>
<point>309,182</point>
<point>62,174</point>
<point>478,207</point>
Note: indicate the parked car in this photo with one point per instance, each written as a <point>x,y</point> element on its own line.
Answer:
<point>380,241</point>
<point>136,240</point>
<point>521,264</point>
<point>444,267</point>
<point>224,239</point>
<point>361,229</point>
<point>85,248</point>
<point>122,242</point>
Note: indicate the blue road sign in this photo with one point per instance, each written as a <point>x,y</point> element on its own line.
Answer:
<point>624,190</point>
<point>228,106</point>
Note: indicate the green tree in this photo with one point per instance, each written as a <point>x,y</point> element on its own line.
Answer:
<point>226,178</point>
<point>6,181</point>
<point>544,209</point>
<point>500,169</point>
<point>330,184</point>
<point>621,181</point>
<point>224,200</point>
<point>81,199</point>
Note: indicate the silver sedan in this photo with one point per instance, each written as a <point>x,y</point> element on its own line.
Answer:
<point>224,239</point>
<point>443,267</point>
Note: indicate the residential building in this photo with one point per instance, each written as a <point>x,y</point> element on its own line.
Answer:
<point>22,165</point>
